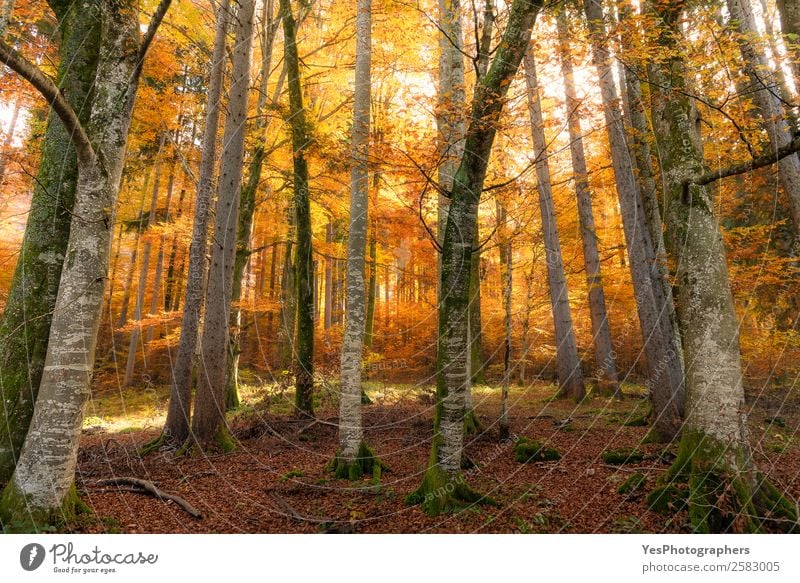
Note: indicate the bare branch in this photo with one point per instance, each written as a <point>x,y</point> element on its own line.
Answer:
<point>51,93</point>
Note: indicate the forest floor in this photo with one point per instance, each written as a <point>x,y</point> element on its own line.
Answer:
<point>276,480</point>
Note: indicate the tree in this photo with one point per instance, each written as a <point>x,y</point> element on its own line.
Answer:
<point>605,359</point>
<point>773,117</point>
<point>724,491</point>
<point>665,382</point>
<point>176,427</point>
<point>208,420</point>
<point>303,271</point>
<point>42,486</point>
<point>443,487</point>
<point>25,326</point>
<point>355,457</point>
<point>570,377</point>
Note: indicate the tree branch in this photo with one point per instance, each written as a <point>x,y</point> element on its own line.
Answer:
<point>53,95</point>
<point>755,163</point>
<point>152,28</point>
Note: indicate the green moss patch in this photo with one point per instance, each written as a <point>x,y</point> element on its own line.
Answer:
<point>618,457</point>
<point>527,451</point>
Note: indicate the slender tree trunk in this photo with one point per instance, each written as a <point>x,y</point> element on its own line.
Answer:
<point>27,316</point>
<point>372,288</point>
<point>773,117</point>
<point>8,141</point>
<point>304,345</point>
<point>42,486</point>
<point>605,358</point>
<point>790,26</point>
<point>328,277</point>
<point>665,381</point>
<point>144,269</point>
<point>443,486</point>
<point>354,457</point>
<point>155,300</point>
<point>724,491</point>
<point>570,377</point>
<point>506,274</point>
<point>176,427</point>
<point>169,288</point>
<point>208,421</point>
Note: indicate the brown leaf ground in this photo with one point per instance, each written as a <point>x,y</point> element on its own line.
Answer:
<point>276,480</point>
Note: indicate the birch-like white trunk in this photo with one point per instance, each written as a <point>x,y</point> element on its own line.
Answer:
<point>351,432</point>
<point>570,377</point>
<point>46,468</point>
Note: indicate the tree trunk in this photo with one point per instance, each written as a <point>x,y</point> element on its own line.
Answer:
<point>176,427</point>
<point>144,269</point>
<point>155,303</point>
<point>773,116</point>
<point>304,345</point>
<point>605,358</point>
<point>42,487</point>
<point>790,25</point>
<point>354,457</point>
<point>443,488</point>
<point>32,295</point>
<point>724,493</point>
<point>665,381</point>
<point>506,274</point>
<point>570,377</point>
<point>208,421</point>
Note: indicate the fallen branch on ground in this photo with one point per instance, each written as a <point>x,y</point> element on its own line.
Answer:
<point>147,487</point>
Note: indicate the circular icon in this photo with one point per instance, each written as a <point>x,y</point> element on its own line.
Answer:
<point>31,556</point>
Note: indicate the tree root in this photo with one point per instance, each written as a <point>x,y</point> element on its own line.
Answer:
<point>440,493</point>
<point>705,480</point>
<point>366,463</point>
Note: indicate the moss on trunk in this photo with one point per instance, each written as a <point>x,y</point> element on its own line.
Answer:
<point>19,515</point>
<point>706,481</point>
<point>366,463</point>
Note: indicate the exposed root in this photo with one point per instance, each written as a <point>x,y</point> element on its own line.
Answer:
<point>719,497</point>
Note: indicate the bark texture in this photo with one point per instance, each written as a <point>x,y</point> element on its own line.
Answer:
<point>208,421</point>
<point>605,357</point>
<point>25,326</point>
<point>443,488</point>
<point>665,381</point>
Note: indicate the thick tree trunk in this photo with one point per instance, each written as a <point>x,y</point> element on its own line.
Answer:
<point>176,427</point>
<point>42,487</point>
<point>304,285</point>
<point>605,357</point>
<point>208,421</point>
<point>790,25</point>
<point>724,493</point>
<point>570,377</point>
<point>773,117</point>
<point>354,457</point>
<point>26,321</point>
<point>665,381</point>
<point>443,488</point>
